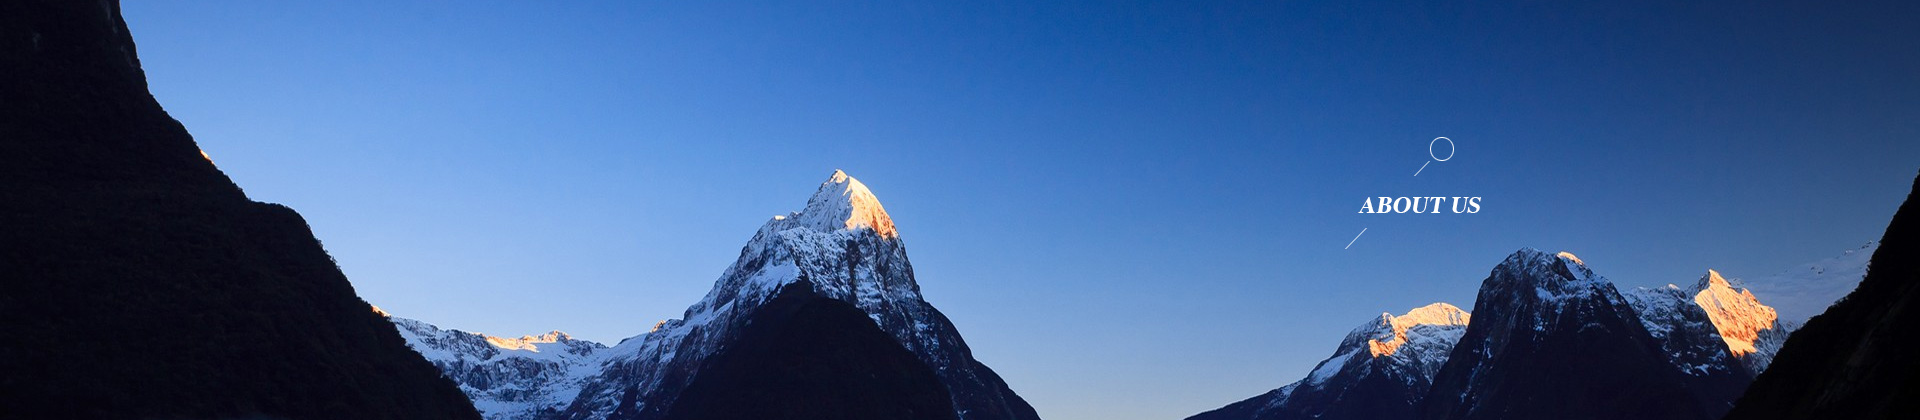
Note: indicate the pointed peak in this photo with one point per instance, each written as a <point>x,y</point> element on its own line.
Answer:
<point>1737,315</point>
<point>1535,274</point>
<point>843,203</point>
<point>1712,280</point>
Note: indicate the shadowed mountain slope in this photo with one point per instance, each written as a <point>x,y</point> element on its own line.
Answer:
<point>150,285</point>
<point>1856,360</point>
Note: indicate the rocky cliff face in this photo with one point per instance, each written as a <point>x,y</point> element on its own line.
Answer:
<point>1550,339</point>
<point>152,286</point>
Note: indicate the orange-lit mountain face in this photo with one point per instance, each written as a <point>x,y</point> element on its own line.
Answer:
<point>1752,330</point>
<point>1379,371</point>
<point>1736,313</point>
<point>1552,339</point>
<point>1437,314</point>
<point>1699,345</point>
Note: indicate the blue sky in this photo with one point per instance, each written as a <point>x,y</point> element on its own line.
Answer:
<point>1132,210</point>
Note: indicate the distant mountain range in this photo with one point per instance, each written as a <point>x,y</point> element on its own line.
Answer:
<point>1547,338</point>
<point>841,250</point>
<point>146,284</point>
<point>1551,339</point>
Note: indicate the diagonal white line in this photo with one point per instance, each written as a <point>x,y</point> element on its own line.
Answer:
<point>1423,167</point>
<point>1363,231</point>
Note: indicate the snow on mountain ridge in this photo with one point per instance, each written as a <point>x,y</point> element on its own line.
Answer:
<point>1360,380</point>
<point>1570,257</point>
<point>1684,330</point>
<point>528,342</point>
<point>1808,289</point>
<point>1535,284</point>
<point>843,203</point>
<point>506,378</point>
<point>1547,326</point>
<point>1438,313</point>
<point>1553,281</point>
<point>845,247</point>
<point>1558,276</point>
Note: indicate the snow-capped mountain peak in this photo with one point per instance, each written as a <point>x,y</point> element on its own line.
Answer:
<point>1439,313</point>
<point>844,203</point>
<point>1738,315</point>
<point>841,246</point>
<point>1411,345</point>
<point>1538,311</point>
<point>1380,370</point>
<point>507,378</point>
<point>1684,330</point>
<point>1751,330</point>
<point>1569,266</point>
<point>1570,257</point>
<point>1551,277</point>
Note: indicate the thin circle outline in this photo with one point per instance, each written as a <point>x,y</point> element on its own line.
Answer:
<point>1451,149</point>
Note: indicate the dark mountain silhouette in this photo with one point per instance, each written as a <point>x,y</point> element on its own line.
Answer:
<point>140,282</point>
<point>806,356</point>
<point>1859,359</point>
<point>1552,340</point>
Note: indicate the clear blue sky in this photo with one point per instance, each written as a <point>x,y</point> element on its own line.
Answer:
<point>1131,210</point>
